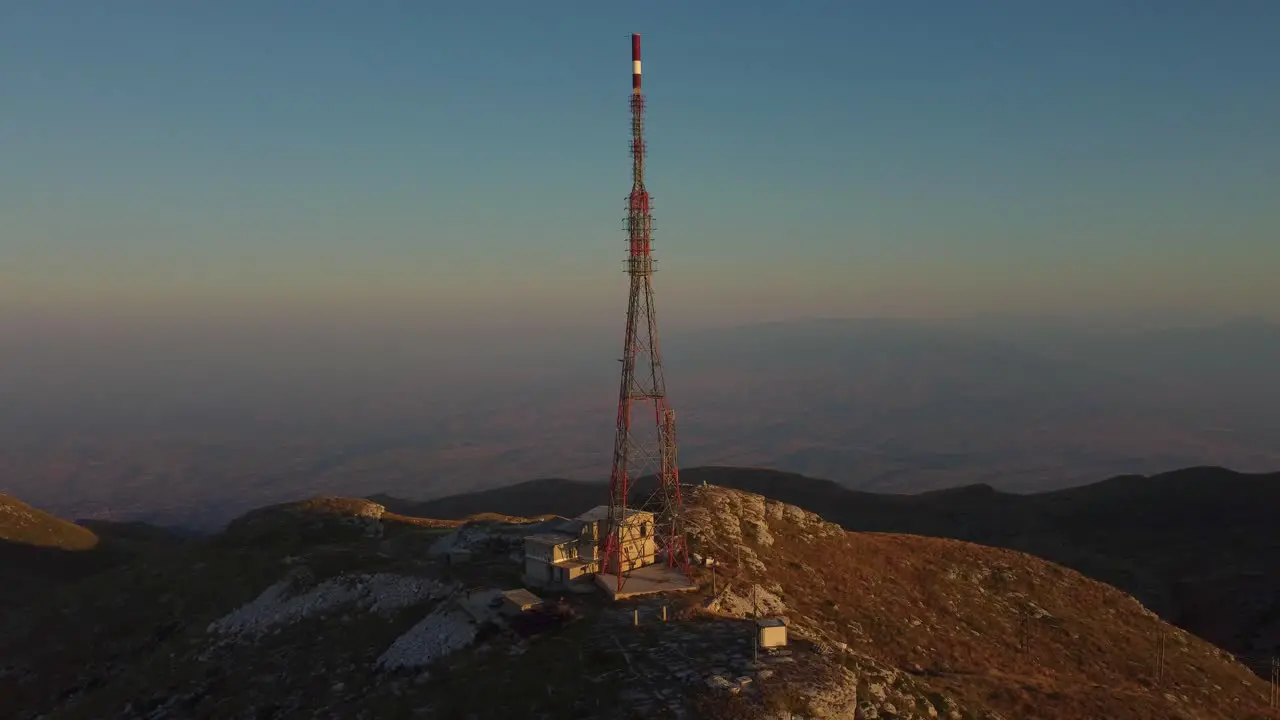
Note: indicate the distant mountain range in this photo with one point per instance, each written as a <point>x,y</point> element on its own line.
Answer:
<point>1199,546</point>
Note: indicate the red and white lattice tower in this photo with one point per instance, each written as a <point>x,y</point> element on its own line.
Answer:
<point>648,446</point>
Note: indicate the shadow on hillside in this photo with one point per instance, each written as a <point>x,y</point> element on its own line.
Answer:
<point>24,567</point>
<point>21,563</point>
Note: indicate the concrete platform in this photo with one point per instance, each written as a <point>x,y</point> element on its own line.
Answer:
<point>476,604</point>
<point>648,580</point>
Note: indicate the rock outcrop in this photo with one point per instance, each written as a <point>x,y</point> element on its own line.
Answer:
<point>907,627</point>
<point>282,603</point>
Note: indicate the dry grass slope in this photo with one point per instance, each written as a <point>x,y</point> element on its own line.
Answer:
<point>22,524</point>
<point>995,629</point>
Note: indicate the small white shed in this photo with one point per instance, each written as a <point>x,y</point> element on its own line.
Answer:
<point>519,601</point>
<point>771,632</point>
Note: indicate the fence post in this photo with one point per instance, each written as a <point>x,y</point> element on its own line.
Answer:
<point>1160,658</point>
<point>1275,683</point>
<point>755,644</point>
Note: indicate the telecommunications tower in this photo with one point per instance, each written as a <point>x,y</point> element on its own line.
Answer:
<point>649,446</point>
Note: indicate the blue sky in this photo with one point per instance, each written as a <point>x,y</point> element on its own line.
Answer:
<point>468,161</point>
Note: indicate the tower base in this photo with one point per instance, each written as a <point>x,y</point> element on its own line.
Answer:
<point>648,580</point>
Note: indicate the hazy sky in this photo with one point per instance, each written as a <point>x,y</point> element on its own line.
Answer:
<point>468,161</point>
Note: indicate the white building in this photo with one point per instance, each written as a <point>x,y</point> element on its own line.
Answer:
<point>567,551</point>
<point>772,632</point>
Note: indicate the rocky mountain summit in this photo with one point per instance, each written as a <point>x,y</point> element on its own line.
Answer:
<point>336,607</point>
<point>1197,545</point>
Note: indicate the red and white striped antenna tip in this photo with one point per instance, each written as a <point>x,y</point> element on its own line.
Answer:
<point>635,62</point>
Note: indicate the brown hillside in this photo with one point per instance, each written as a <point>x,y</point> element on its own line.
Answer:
<point>334,607</point>
<point>24,525</point>
<point>39,551</point>
<point>994,629</point>
<point>1196,545</point>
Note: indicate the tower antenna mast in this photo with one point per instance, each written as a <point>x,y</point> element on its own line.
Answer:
<point>638,449</point>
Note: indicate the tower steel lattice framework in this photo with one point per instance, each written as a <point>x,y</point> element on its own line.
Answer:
<point>642,448</point>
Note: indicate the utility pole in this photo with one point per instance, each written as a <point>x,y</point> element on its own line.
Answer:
<point>755,631</point>
<point>1160,658</point>
<point>1024,633</point>
<point>1275,683</point>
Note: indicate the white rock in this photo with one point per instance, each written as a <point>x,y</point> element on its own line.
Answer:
<point>280,605</point>
<point>746,602</point>
<point>758,530</point>
<point>438,635</point>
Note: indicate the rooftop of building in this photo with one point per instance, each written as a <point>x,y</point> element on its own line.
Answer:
<point>551,538</point>
<point>570,526</point>
<point>522,597</point>
<point>601,512</point>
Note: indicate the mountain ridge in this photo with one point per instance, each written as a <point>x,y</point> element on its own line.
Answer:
<point>336,607</point>
<point>1179,541</point>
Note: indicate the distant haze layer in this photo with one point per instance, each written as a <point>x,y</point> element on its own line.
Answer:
<point>193,425</point>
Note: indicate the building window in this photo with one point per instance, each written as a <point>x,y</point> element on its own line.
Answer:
<point>644,529</point>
